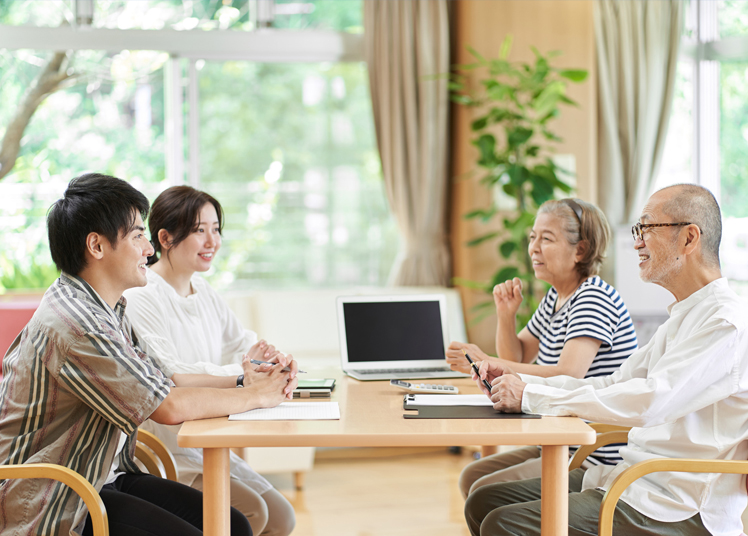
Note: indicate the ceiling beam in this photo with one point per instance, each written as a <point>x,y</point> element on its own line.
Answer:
<point>268,45</point>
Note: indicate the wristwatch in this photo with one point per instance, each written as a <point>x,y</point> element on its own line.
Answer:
<point>240,380</point>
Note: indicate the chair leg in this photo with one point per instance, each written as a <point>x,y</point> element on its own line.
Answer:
<point>298,480</point>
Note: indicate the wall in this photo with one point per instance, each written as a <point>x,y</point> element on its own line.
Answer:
<point>548,25</point>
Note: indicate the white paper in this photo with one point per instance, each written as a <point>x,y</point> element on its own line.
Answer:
<point>448,400</point>
<point>292,411</point>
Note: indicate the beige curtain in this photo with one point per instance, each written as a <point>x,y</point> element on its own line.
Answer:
<point>637,51</point>
<point>406,41</point>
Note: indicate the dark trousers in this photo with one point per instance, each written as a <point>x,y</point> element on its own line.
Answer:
<point>513,509</point>
<point>145,505</point>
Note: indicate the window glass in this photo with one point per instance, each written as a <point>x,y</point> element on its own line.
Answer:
<point>110,120</point>
<point>677,160</point>
<point>732,18</point>
<point>339,15</point>
<point>734,168</point>
<point>290,151</point>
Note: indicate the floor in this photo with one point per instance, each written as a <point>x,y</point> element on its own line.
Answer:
<point>380,493</point>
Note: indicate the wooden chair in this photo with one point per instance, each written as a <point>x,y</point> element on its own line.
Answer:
<point>149,450</point>
<point>608,434</point>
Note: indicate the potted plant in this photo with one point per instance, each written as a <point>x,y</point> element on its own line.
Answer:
<point>515,108</point>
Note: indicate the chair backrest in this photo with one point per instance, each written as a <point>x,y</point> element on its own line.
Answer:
<point>154,455</point>
<point>70,478</point>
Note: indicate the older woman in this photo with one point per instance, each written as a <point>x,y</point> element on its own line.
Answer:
<point>191,330</point>
<point>581,327</point>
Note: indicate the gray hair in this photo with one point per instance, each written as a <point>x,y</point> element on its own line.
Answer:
<point>697,205</point>
<point>588,227</point>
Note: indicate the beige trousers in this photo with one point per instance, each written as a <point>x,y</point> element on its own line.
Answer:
<point>269,514</point>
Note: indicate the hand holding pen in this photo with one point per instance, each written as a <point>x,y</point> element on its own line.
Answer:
<point>477,372</point>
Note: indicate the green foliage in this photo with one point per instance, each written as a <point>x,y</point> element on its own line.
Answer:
<point>734,140</point>
<point>34,274</point>
<point>515,109</point>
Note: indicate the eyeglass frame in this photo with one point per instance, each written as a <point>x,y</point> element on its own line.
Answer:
<point>637,231</point>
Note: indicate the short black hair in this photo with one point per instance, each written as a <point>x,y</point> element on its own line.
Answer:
<point>92,203</point>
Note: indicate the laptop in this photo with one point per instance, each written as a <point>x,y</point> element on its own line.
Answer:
<point>394,337</point>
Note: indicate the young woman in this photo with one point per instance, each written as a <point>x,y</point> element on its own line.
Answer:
<point>190,329</point>
<point>581,327</point>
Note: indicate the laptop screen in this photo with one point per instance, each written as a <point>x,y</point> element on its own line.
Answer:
<point>393,331</point>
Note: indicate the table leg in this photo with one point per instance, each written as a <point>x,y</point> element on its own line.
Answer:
<point>487,450</point>
<point>554,491</point>
<point>216,494</point>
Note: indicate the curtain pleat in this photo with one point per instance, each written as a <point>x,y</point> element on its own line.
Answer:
<point>637,52</point>
<point>407,41</point>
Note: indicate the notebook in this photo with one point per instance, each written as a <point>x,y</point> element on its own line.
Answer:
<point>394,337</point>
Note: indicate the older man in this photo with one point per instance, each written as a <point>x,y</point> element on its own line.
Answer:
<point>685,394</point>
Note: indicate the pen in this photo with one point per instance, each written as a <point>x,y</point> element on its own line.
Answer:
<point>475,368</point>
<point>256,362</point>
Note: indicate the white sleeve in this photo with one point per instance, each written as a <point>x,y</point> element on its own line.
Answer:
<point>150,322</point>
<point>649,390</point>
<point>235,339</point>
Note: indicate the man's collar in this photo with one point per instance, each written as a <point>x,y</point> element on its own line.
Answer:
<point>82,285</point>
<point>697,296</point>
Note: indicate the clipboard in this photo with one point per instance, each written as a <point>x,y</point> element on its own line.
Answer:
<point>415,411</point>
<point>461,412</point>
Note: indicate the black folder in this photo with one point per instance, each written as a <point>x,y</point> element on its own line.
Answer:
<point>461,412</point>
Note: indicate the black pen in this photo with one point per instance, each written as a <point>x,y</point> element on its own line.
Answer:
<point>257,362</point>
<point>475,368</point>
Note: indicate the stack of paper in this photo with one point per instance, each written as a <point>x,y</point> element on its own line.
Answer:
<point>447,400</point>
<point>292,411</point>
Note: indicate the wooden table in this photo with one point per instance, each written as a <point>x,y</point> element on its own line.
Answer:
<point>371,416</point>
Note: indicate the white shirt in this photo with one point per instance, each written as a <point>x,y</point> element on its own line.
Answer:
<point>198,334</point>
<point>686,396</point>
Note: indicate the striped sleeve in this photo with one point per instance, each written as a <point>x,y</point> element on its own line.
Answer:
<point>541,318</point>
<point>594,315</point>
<point>103,371</point>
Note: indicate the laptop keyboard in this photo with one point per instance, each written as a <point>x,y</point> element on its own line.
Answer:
<point>401,370</point>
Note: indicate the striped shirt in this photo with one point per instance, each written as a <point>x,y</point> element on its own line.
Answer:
<point>595,310</point>
<point>72,381</point>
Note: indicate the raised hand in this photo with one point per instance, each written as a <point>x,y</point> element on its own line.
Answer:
<point>456,359</point>
<point>507,297</point>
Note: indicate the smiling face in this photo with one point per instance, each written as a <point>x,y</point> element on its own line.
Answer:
<point>197,251</point>
<point>554,259</point>
<point>659,261</point>
<point>125,262</point>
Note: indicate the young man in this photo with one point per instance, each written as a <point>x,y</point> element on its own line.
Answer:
<point>77,385</point>
<point>685,394</point>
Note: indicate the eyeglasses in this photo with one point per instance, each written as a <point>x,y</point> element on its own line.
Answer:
<point>638,229</point>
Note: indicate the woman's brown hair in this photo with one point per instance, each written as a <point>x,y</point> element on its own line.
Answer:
<point>583,223</point>
<point>177,210</point>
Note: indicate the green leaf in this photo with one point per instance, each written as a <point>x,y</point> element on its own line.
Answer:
<point>462,99</point>
<point>484,214</point>
<point>505,274</point>
<point>481,239</point>
<point>532,150</point>
<point>506,47</point>
<point>542,189</point>
<point>507,248</point>
<point>510,189</point>
<point>518,136</point>
<point>482,306</point>
<point>479,124</point>
<point>575,75</point>
<point>517,175</point>
<point>468,283</point>
<point>551,136</point>
<point>477,55</point>
<point>486,144</point>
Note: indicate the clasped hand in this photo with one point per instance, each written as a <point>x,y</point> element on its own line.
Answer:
<point>506,385</point>
<point>271,375</point>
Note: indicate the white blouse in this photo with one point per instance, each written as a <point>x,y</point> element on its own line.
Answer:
<point>198,334</point>
<point>686,396</point>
